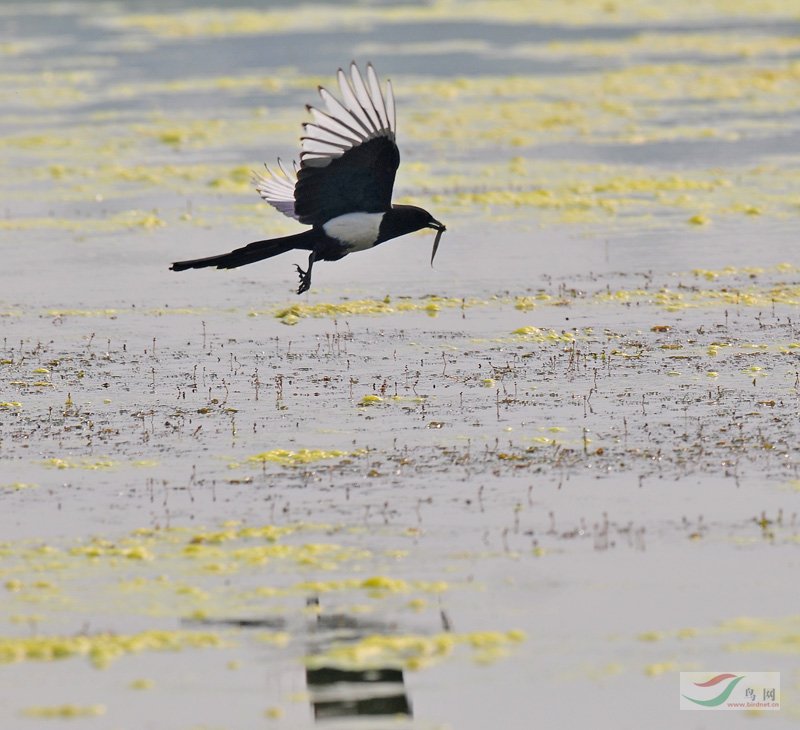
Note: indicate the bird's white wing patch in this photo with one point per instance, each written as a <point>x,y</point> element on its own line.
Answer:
<point>277,188</point>
<point>362,114</point>
<point>357,231</point>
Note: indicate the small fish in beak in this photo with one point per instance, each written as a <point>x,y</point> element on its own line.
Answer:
<point>440,229</point>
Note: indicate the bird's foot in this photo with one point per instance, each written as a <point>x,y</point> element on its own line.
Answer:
<point>305,280</point>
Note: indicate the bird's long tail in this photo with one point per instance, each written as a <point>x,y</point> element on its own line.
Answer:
<point>250,253</point>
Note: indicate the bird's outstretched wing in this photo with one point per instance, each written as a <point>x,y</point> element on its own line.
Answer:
<point>277,188</point>
<point>349,157</point>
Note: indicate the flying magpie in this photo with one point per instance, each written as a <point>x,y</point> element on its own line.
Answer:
<point>343,185</point>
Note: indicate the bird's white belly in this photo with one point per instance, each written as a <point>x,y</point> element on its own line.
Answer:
<point>357,231</point>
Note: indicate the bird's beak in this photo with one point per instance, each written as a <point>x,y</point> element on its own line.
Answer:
<point>440,229</point>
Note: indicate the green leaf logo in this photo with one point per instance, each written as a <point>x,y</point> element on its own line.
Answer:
<point>722,696</point>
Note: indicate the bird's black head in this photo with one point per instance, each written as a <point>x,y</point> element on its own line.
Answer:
<point>402,219</point>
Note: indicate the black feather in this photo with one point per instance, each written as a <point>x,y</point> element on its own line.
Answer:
<point>360,180</point>
<point>252,252</point>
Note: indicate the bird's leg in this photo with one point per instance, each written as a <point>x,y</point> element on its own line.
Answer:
<point>305,276</point>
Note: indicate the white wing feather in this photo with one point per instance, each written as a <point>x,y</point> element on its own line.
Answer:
<point>277,188</point>
<point>376,94</point>
<point>363,114</point>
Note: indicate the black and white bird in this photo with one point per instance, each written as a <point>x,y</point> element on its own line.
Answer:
<point>343,185</point>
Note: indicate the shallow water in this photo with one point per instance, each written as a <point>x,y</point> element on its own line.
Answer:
<point>528,485</point>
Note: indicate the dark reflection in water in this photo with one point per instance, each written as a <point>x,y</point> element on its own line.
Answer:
<point>338,693</point>
<point>355,692</point>
<point>274,624</point>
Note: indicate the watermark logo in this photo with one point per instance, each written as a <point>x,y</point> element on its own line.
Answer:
<point>730,690</point>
